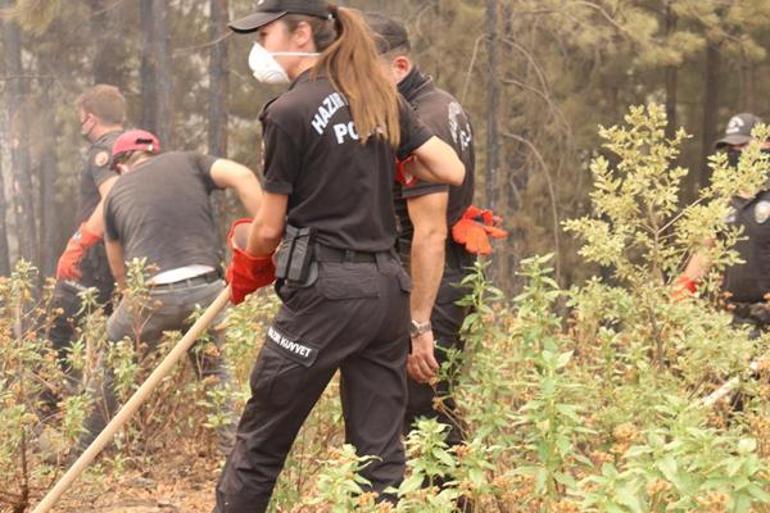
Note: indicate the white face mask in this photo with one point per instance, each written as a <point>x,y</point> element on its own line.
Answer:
<point>266,69</point>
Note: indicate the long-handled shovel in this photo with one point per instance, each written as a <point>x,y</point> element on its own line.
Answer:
<point>133,404</point>
<point>727,388</point>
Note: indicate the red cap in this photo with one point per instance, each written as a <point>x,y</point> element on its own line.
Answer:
<point>134,140</point>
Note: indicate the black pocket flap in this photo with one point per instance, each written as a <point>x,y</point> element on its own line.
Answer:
<point>338,282</point>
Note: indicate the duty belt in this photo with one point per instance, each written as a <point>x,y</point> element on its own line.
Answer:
<point>334,255</point>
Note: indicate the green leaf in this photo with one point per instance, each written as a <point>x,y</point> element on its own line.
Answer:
<point>747,445</point>
<point>564,360</point>
<point>758,493</point>
<point>669,468</point>
<point>411,484</point>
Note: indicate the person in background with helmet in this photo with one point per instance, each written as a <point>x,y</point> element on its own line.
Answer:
<point>330,147</point>
<point>102,111</point>
<point>424,213</point>
<point>746,284</point>
<point>160,210</point>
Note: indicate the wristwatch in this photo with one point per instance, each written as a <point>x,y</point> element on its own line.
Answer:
<point>419,328</point>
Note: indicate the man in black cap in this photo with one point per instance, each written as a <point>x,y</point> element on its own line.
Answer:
<point>748,283</point>
<point>424,213</point>
<point>737,135</point>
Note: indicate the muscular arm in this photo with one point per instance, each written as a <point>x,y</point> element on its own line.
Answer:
<point>117,262</point>
<point>698,266</point>
<point>268,226</point>
<point>228,174</point>
<point>437,162</point>
<point>95,223</point>
<point>428,215</point>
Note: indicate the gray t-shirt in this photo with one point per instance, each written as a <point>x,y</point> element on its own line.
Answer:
<point>161,211</point>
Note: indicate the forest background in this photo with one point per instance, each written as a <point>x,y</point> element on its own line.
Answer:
<point>537,76</point>
<point>594,409</point>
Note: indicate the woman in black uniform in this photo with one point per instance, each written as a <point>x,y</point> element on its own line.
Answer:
<point>329,147</point>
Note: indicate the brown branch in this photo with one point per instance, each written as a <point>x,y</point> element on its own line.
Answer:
<point>471,65</point>
<point>188,49</point>
<point>7,78</point>
<point>551,193</point>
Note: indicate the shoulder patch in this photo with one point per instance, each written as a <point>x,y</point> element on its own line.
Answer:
<point>459,126</point>
<point>762,212</point>
<point>101,159</point>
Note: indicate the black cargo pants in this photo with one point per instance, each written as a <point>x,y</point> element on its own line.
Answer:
<point>354,318</point>
<point>66,297</point>
<point>447,319</point>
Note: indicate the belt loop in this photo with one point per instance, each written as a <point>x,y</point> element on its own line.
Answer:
<point>395,255</point>
<point>381,258</point>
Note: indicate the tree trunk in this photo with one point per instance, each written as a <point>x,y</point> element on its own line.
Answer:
<point>157,85</point>
<point>749,83</point>
<point>219,80</point>
<point>109,64</point>
<point>163,70</point>
<point>49,169</point>
<point>493,105</point>
<point>671,80</point>
<point>711,77</point>
<point>491,175</point>
<point>5,258</point>
<point>219,76</point>
<point>23,193</point>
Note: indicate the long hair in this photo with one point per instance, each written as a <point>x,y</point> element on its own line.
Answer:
<point>350,61</point>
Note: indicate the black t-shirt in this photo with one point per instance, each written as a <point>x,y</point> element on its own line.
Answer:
<point>336,185</point>
<point>750,281</point>
<point>161,211</point>
<point>96,172</point>
<point>445,117</point>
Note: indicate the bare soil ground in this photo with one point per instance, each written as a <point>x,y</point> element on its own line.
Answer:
<point>182,484</point>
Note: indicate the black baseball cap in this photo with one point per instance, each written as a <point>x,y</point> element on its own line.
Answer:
<point>388,33</point>
<point>267,11</point>
<point>739,130</point>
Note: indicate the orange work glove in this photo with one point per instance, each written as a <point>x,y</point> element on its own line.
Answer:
<point>68,267</point>
<point>475,228</point>
<point>684,287</point>
<point>246,273</point>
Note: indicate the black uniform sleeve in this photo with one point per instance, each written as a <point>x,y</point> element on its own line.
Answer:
<point>98,166</point>
<point>110,227</point>
<point>413,132</point>
<point>282,160</point>
<point>202,165</point>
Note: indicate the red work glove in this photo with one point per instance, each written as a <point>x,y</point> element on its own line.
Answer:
<point>684,287</point>
<point>403,176</point>
<point>68,267</point>
<point>483,216</point>
<point>246,273</point>
<point>475,228</point>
